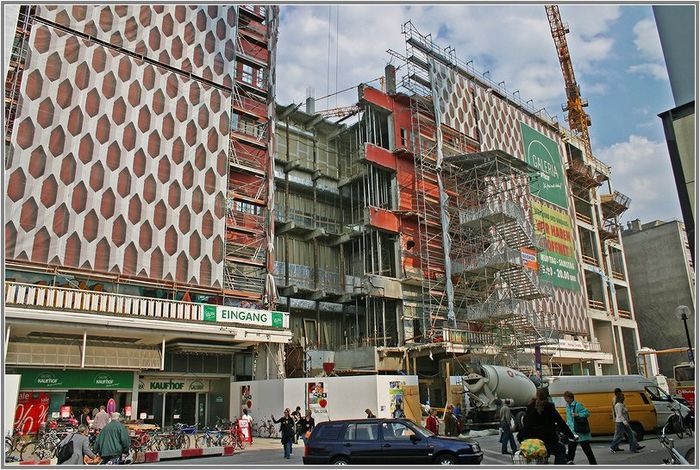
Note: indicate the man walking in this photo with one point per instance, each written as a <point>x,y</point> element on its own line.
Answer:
<point>101,419</point>
<point>622,427</point>
<point>113,440</point>
<point>504,417</point>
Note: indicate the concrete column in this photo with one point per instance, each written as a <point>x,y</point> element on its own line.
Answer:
<point>623,357</point>
<point>269,363</point>
<point>135,397</point>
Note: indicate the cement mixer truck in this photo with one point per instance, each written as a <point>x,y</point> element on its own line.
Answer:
<point>484,385</point>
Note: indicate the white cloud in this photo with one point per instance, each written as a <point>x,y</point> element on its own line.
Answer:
<point>656,71</point>
<point>512,42</point>
<point>641,169</point>
<point>646,38</point>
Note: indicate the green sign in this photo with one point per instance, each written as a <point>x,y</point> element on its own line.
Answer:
<point>543,153</point>
<point>38,379</point>
<point>244,316</point>
<point>557,264</point>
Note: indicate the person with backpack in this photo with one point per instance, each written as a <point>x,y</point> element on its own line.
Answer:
<point>113,440</point>
<point>72,449</point>
<point>577,420</point>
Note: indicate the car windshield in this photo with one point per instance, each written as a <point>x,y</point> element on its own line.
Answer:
<point>421,431</point>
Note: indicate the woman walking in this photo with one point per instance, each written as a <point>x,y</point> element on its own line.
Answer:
<point>307,424</point>
<point>541,421</point>
<point>287,430</point>
<point>577,420</point>
<point>622,427</point>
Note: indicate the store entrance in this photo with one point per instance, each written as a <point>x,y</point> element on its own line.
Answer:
<point>167,409</point>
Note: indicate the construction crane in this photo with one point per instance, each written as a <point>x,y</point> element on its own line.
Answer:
<point>579,121</point>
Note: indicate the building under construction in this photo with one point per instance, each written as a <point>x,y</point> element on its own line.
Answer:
<point>442,221</point>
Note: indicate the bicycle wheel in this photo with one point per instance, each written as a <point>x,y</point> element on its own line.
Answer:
<point>240,443</point>
<point>183,441</point>
<point>677,426</point>
<point>26,452</point>
<point>227,440</point>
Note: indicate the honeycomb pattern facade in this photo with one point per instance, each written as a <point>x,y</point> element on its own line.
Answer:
<point>118,165</point>
<point>499,129</point>
<point>456,99</point>
<point>195,39</point>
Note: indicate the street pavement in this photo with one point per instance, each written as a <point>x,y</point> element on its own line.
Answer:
<point>269,452</point>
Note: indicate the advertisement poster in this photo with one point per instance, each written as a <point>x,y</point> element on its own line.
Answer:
<point>317,399</point>
<point>32,410</point>
<point>557,264</point>
<point>246,398</point>
<point>529,258</point>
<point>543,153</point>
<point>396,399</point>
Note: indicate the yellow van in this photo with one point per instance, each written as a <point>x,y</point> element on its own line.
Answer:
<point>596,394</point>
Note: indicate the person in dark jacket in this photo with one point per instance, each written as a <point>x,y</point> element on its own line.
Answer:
<point>542,421</point>
<point>113,441</point>
<point>286,423</point>
<point>296,416</point>
<point>450,422</point>
<point>306,424</point>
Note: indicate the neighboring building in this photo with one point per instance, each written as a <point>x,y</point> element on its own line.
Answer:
<point>678,35</point>
<point>662,277</point>
<point>399,247</point>
<point>138,171</point>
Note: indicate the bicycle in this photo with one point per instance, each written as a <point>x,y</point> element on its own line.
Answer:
<point>43,446</point>
<point>675,457</point>
<point>266,429</point>
<point>679,425</point>
<point>14,442</point>
<point>209,438</point>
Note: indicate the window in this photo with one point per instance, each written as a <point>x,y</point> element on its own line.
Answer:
<point>403,137</point>
<point>260,78</point>
<point>396,432</point>
<point>684,373</point>
<point>657,394</point>
<point>330,432</point>
<point>247,74</point>
<point>362,432</point>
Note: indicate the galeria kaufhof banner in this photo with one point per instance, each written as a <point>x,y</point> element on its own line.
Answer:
<point>557,264</point>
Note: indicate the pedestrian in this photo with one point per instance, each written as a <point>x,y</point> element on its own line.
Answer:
<point>431,424</point>
<point>296,416</point>
<point>622,427</point>
<point>450,422</point>
<point>286,423</point>
<point>246,427</point>
<point>101,418</point>
<point>81,446</point>
<point>84,417</point>
<point>307,425</point>
<point>369,413</point>
<point>113,441</point>
<point>577,420</point>
<point>504,417</point>
<point>398,411</point>
<point>541,421</point>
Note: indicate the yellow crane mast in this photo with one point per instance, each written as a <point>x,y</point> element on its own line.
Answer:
<point>579,121</point>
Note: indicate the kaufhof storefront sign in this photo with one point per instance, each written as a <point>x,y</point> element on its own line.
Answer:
<point>244,316</point>
<point>169,384</point>
<point>38,379</point>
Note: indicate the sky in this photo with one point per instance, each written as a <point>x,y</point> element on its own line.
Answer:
<point>615,49</point>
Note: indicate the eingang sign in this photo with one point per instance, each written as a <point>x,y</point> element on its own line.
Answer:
<point>244,316</point>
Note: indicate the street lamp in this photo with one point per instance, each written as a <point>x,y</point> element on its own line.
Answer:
<point>682,313</point>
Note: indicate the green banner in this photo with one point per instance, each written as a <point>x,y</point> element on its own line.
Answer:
<point>244,316</point>
<point>43,379</point>
<point>557,264</point>
<point>543,153</point>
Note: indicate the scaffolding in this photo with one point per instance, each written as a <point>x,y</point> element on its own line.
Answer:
<point>249,263</point>
<point>477,244</point>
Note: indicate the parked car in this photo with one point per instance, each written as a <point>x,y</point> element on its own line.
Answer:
<point>379,441</point>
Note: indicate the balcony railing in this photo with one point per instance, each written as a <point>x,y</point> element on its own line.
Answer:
<point>596,304</point>
<point>624,313</point>
<point>60,298</point>
<point>618,276</point>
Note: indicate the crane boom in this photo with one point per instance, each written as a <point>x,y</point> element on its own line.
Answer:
<point>579,121</point>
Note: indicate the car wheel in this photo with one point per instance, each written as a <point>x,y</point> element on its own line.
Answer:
<point>445,459</point>
<point>690,456</point>
<point>340,461</point>
<point>638,431</point>
<point>519,418</point>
